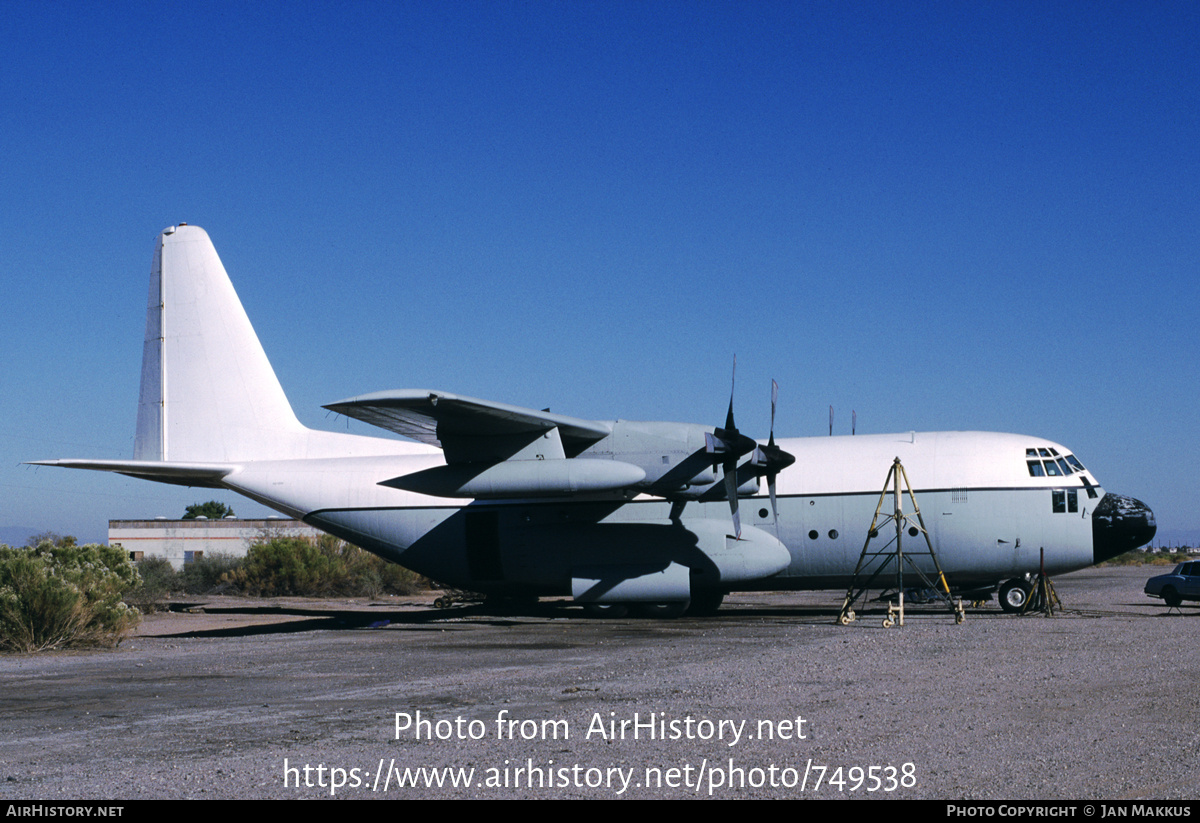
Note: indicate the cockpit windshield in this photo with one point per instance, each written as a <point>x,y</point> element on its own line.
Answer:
<point>1046,462</point>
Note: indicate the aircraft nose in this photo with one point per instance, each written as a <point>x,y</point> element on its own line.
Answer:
<point>1120,524</point>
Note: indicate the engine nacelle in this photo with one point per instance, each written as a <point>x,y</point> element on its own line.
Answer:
<point>521,478</point>
<point>656,561</point>
<point>632,584</point>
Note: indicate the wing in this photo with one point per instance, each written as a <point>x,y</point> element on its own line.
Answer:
<point>470,430</point>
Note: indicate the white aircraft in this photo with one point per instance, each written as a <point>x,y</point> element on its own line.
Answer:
<point>514,501</point>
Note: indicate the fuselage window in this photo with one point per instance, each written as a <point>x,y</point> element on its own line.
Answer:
<point>1072,500</point>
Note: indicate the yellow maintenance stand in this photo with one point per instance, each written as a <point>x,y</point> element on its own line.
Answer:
<point>873,563</point>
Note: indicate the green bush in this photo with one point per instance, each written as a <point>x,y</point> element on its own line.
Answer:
<point>297,566</point>
<point>286,566</point>
<point>64,596</point>
<point>209,574</point>
<point>1138,557</point>
<point>158,580</point>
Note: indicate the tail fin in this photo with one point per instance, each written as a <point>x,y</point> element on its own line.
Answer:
<point>208,392</point>
<point>210,400</point>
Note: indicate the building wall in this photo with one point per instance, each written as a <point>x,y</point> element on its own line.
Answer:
<point>181,541</point>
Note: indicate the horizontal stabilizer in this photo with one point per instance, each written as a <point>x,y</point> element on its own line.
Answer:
<point>466,428</point>
<point>206,475</point>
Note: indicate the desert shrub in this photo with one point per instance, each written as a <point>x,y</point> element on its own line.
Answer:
<point>210,574</point>
<point>62,596</point>
<point>284,566</point>
<point>1138,557</point>
<point>158,580</point>
<point>396,579</point>
<point>297,566</point>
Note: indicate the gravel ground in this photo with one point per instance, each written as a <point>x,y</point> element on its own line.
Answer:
<point>235,701</point>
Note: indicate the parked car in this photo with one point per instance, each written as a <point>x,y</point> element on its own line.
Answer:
<point>1181,584</point>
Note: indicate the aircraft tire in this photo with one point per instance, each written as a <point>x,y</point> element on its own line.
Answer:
<point>610,611</point>
<point>1013,595</point>
<point>1171,597</point>
<point>660,611</point>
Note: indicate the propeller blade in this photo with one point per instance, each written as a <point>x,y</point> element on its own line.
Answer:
<point>731,485</point>
<point>774,459</point>
<point>732,385</point>
<point>774,400</point>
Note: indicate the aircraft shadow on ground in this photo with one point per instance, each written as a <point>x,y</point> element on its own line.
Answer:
<point>325,620</point>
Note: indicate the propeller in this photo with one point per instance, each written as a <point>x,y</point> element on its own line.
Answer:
<point>770,460</point>
<point>732,445</point>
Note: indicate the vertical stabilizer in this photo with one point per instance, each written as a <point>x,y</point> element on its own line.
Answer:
<point>208,392</point>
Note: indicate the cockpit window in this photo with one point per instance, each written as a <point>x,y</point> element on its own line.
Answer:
<point>1052,464</point>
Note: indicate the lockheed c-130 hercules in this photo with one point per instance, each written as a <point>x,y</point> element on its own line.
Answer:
<point>513,501</point>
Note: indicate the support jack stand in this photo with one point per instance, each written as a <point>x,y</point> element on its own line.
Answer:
<point>874,562</point>
<point>1042,598</point>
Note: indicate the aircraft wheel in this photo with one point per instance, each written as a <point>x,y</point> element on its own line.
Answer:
<point>705,602</point>
<point>1014,595</point>
<point>612,611</point>
<point>441,603</point>
<point>660,611</point>
<point>1171,597</point>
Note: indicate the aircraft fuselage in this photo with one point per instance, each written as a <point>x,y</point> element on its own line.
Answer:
<point>988,518</point>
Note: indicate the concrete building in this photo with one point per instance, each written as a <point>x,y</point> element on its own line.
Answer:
<point>182,541</point>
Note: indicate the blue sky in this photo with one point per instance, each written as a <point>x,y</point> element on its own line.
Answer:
<point>939,215</point>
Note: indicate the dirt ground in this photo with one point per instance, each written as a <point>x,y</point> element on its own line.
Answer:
<point>240,698</point>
